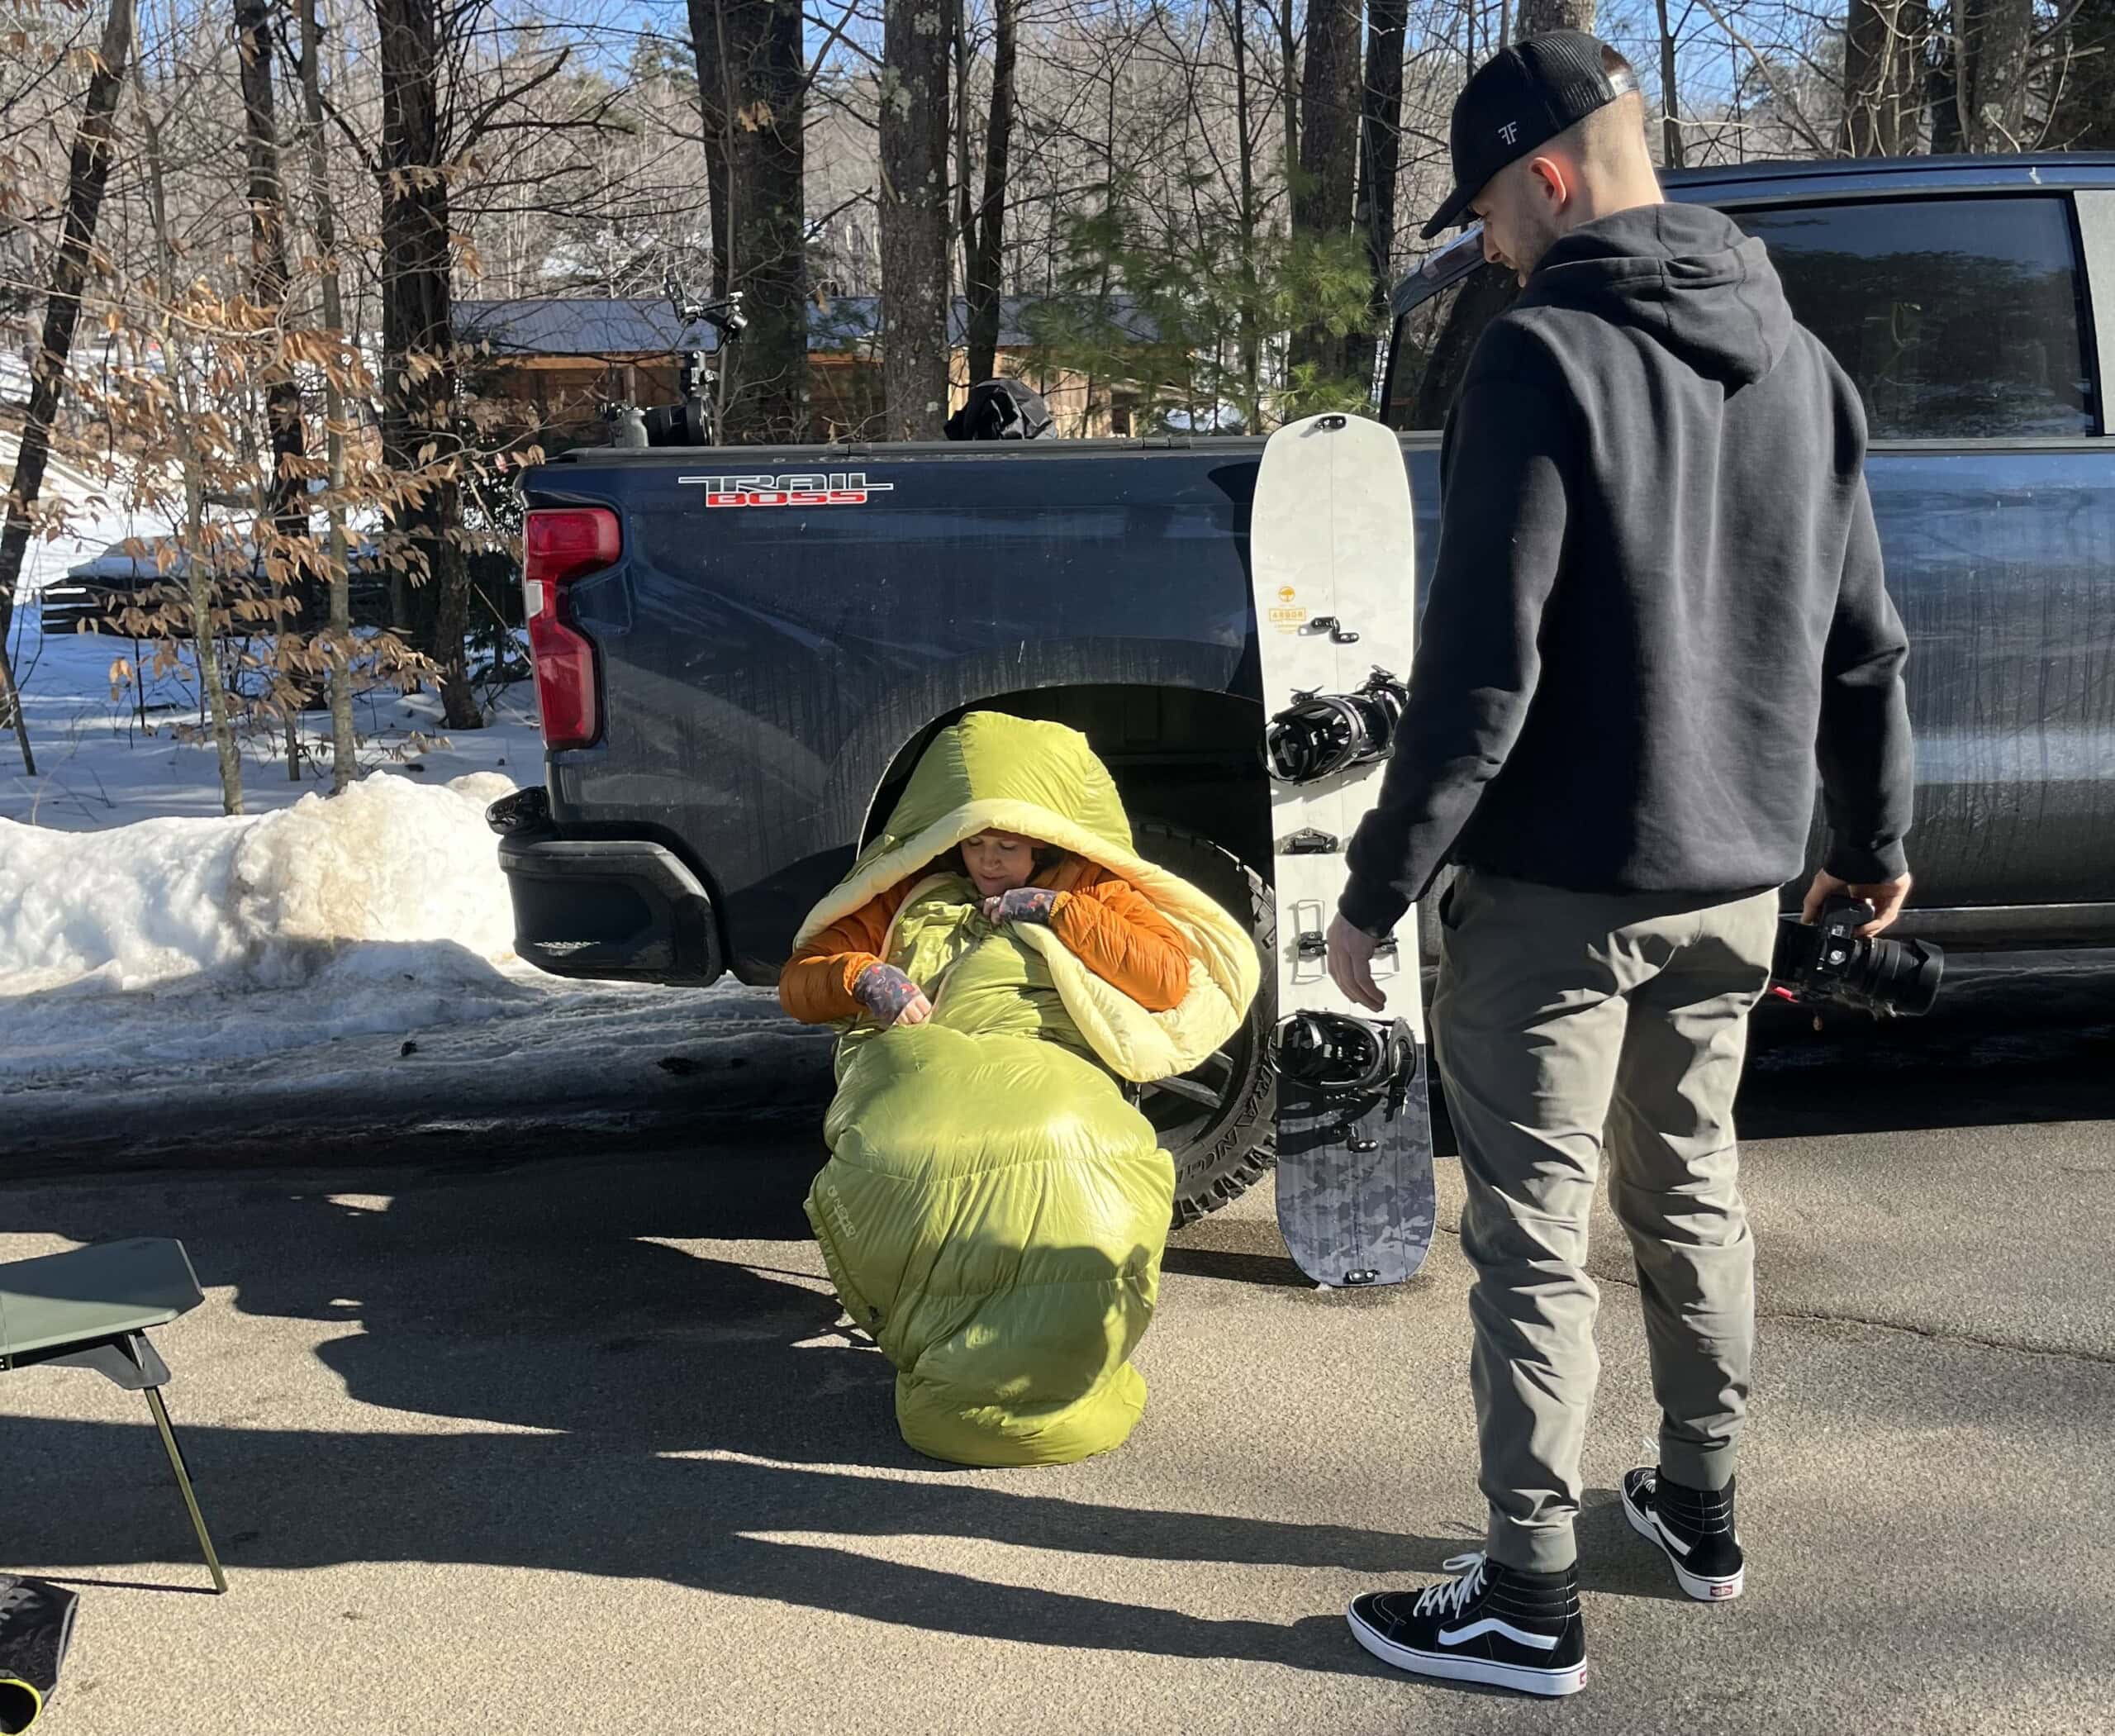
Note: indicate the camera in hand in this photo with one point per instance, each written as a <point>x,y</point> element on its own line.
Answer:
<point>1828,960</point>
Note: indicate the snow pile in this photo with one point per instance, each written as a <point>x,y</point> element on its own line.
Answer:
<point>152,950</point>
<point>269,902</point>
<point>180,977</point>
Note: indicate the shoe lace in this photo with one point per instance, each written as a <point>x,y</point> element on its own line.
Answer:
<point>1455,1596</point>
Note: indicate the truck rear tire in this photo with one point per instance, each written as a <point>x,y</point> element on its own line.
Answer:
<point>1219,1122</point>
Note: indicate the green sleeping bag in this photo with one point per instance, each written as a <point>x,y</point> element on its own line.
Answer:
<point>994,1211</point>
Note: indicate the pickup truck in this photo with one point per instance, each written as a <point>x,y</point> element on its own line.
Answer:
<point>741,652</point>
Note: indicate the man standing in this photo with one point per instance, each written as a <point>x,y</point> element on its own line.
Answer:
<point>1658,600</point>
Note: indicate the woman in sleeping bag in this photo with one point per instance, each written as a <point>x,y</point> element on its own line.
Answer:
<point>994,1208</point>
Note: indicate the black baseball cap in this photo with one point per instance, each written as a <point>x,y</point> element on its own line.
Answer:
<point>1524,96</point>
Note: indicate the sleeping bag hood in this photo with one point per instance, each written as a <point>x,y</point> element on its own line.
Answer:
<point>995,772</point>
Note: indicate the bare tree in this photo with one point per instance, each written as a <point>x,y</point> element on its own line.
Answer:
<point>984,230</point>
<point>1670,126</point>
<point>1248,330</point>
<point>283,506</point>
<point>1331,102</point>
<point>1884,86</point>
<point>1381,143</point>
<point>913,211</point>
<point>87,174</point>
<point>753,85</point>
<point>323,218</point>
<point>420,436</point>
<point>181,326</point>
<point>1286,19</point>
<point>1993,61</point>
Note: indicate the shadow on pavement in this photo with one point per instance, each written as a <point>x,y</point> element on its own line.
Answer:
<point>652,1413</point>
<point>707,1424</point>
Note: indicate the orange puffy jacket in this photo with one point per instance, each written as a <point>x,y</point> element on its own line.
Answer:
<point>1114,929</point>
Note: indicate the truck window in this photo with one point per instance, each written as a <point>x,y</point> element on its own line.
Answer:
<point>1957,319</point>
<point>1431,346</point>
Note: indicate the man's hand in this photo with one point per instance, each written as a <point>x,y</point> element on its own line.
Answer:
<point>891,996</point>
<point>1351,965</point>
<point>1886,897</point>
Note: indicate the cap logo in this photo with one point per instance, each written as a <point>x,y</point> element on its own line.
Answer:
<point>1510,132</point>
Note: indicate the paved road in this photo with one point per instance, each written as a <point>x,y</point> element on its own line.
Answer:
<point>518,1441</point>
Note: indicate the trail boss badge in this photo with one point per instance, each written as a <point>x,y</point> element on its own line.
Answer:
<point>838,488</point>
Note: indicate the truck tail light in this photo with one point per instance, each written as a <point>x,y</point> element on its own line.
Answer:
<point>559,545</point>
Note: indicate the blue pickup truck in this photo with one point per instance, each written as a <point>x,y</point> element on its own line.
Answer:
<point>741,652</point>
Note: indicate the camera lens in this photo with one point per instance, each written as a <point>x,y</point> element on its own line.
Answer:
<point>1901,975</point>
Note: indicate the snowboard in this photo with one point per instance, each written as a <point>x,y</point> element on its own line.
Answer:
<point>1331,564</point>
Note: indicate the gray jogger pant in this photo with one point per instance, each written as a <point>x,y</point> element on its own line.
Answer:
<point>1566,1025</point>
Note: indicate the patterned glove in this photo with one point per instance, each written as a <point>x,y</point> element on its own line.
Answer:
<point>1023,904</point>
<point>884,991</point>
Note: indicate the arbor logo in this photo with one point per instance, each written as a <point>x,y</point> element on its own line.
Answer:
<point>838,488</point>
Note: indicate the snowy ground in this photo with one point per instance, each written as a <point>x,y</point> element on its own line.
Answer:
<point>170,970</point>
<point>108,753</point>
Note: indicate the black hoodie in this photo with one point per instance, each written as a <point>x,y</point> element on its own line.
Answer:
<point>1658,594</point>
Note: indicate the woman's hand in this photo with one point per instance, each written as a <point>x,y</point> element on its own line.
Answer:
<point>1023,904</point>
<point>891,996</point>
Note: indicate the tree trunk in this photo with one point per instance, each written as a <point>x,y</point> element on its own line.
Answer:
<point>715,105</point>
<point>1289,82</point>
<point>752,93</point>
<point>344,739</point>
<point>1322,193</point>
<point>283,552</point>
<point>199,557</point>
<point>87,173</point>
<point>1942,82</point>
<point>1999,40</point>
<point>420,439</point>
<point>1670,126</point>
<point>1537,16</point>
<point>914,201</point>
<point>1380,142</point>
<point>205,639</point>
<point>1883,78</point>
<point>11,705</point>
<point>986,252</point>
<point>1248,337</point>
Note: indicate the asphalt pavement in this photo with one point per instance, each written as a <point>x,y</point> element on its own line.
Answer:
<point>514,1437</point>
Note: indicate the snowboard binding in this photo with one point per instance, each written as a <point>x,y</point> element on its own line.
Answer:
<point>1321,734</point>
<point>1341,1058</point>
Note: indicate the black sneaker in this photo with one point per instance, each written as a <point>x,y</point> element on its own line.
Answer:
<point>1493,1624</point>
<point>1693,1528</point>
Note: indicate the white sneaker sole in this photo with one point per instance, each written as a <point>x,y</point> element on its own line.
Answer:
<point>1522,1678</point>
<point>1702,1588</point>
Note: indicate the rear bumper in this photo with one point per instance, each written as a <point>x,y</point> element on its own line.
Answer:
<point>611,909</point>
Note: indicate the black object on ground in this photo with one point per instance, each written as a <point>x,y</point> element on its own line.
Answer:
<point>36,1624</point>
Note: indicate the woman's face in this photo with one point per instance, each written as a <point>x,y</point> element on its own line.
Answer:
<point>998,862</point>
